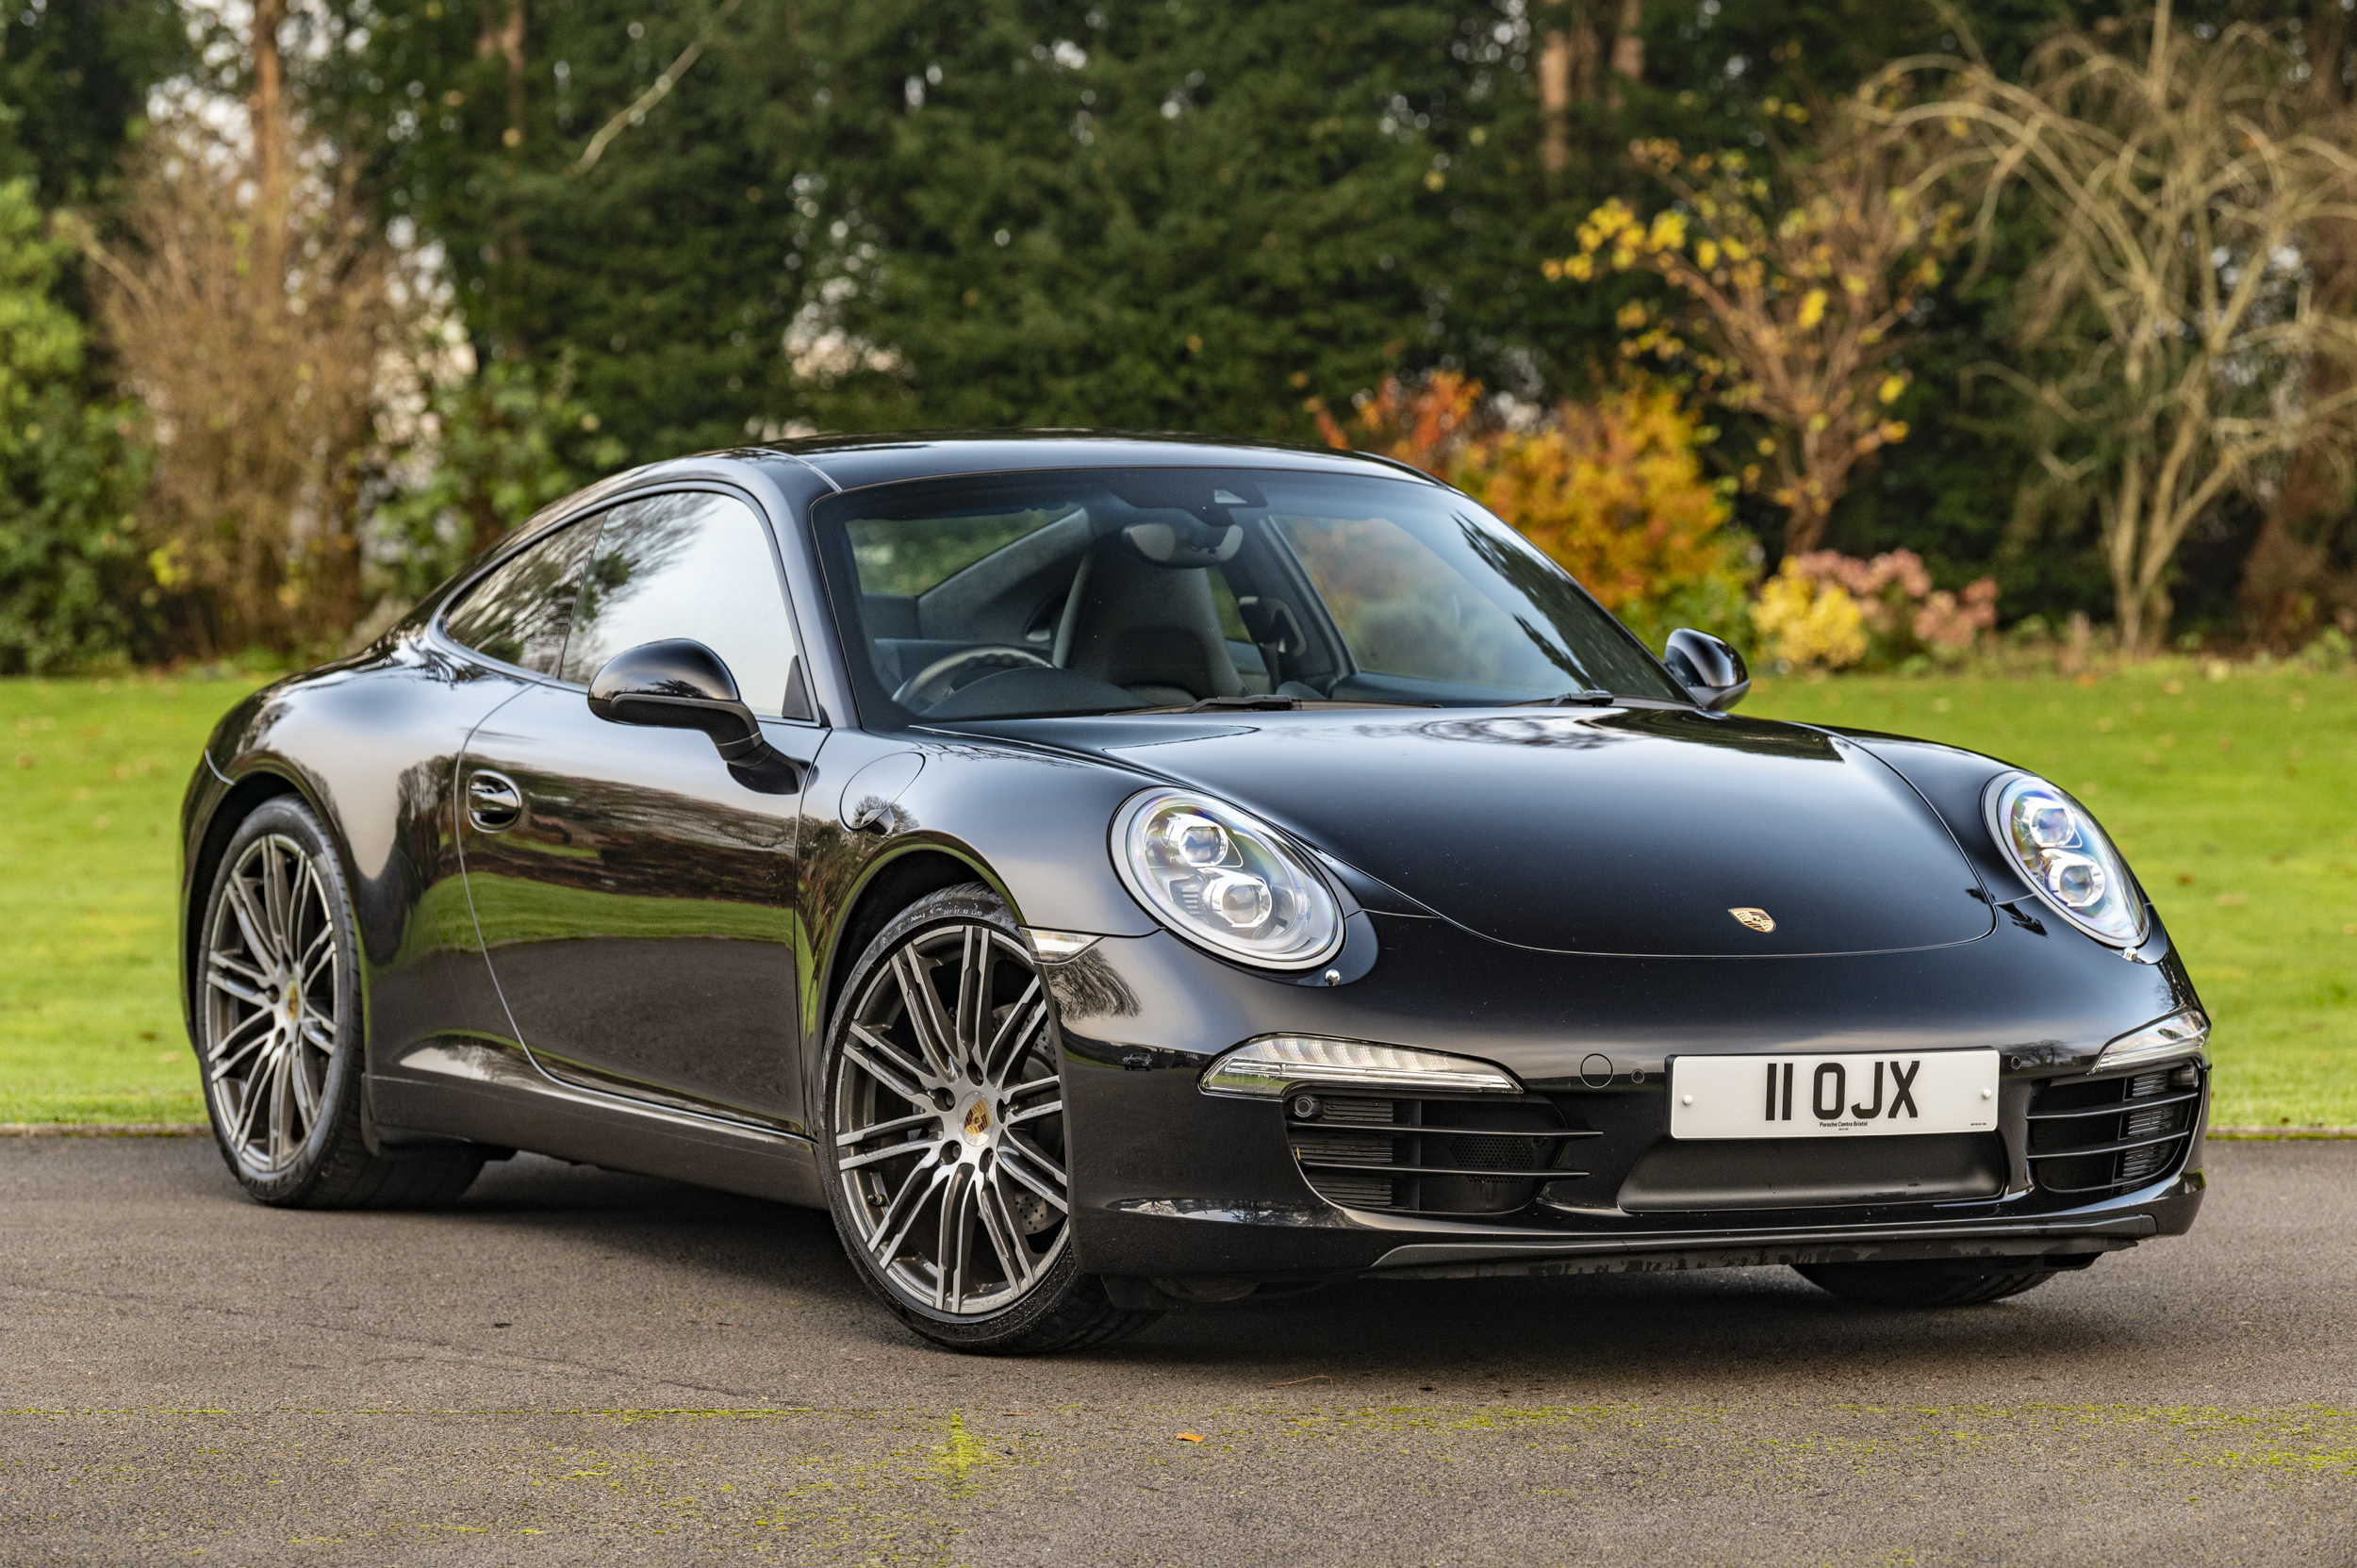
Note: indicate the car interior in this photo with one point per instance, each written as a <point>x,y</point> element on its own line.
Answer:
<point>1112,602</point>
<point>1057,617</point>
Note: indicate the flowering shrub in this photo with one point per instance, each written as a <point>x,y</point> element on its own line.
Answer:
<point>1902,615</point>
<point>1612,490</point>
<point>1809,623</point>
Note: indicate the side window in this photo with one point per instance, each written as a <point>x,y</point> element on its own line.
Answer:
<point>520,612</point>
<point>691,565</point>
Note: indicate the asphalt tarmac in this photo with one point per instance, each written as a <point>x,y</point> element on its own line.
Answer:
<point>579,1367</point>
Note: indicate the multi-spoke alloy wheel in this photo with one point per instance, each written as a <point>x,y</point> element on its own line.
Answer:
<point>945,1135</point>
<point>272,969</point>
<point>277,1032</point>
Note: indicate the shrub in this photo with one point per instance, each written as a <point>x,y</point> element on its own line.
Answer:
<point>1902,615</point>
<point>1809,623</point>
<point>487,450</point>
<point>70,472</point>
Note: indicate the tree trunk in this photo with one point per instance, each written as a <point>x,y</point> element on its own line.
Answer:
<point>504,37</point>
<point>1628,52</point>
<point>1555,99</point>
<point>2128,524</point>
<point>2128,610</point>
<point>268,107</point>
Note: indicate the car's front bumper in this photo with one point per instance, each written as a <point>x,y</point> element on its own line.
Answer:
<point>1171,1184</point>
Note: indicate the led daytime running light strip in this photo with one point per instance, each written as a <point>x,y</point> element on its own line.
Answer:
<point>1268,1067</point>
<point>2185,1034</point>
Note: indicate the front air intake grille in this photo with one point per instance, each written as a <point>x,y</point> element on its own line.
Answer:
<point>2112,1134</point>
<point>1430,1156</point>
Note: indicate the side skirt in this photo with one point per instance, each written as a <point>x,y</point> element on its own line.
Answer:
<point>491,1093</point>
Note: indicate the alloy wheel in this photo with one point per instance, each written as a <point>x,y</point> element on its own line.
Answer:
<point>267,1012</point>
<point>948,1122</point>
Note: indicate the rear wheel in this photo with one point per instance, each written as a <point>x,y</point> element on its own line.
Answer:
<point>944,1151</point>
<point>278,1029</point>
<point>1919,1285</point>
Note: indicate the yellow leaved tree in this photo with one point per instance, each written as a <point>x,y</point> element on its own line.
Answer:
<point>1796,281</point>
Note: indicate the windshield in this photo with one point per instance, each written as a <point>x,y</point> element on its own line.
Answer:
<point>1116,590</point>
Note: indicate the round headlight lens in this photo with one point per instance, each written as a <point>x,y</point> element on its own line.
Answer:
<point>2067,858</point>
<point>1220,877</point>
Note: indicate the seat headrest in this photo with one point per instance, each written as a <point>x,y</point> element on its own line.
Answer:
<point>1184,543</point>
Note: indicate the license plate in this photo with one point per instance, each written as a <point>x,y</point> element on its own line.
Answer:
<point>1865,1096</point>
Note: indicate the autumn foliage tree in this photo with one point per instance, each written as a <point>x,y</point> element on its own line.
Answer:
<point>1794,284</point>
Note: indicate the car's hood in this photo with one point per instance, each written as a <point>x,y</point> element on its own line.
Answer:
<point>1636,832</point>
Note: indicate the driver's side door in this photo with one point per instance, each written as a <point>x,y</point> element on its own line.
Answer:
<point>634,898</point>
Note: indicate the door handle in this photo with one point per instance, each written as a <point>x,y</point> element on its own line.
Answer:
<point>493,802</point>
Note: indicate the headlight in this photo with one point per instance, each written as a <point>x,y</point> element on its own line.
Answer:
<point>1220,877</point>
<point>2068,859</point>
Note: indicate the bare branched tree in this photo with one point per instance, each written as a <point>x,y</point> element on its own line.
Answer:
<point>249,310</point>
<point>2188,197</point>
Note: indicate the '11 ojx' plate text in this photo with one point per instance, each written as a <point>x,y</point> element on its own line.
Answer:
<point>1833,1097</point>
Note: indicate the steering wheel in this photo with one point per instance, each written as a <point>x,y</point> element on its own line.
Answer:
<point>947,673</point>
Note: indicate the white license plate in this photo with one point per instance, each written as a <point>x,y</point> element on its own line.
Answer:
<point>1863,1096</point>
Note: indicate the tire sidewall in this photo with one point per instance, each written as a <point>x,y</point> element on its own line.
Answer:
<point>1008,1325</point>
<point>287,817</point>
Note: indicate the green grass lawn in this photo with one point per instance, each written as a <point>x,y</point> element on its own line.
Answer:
<point>2236,799</point>
<point>90,777</point>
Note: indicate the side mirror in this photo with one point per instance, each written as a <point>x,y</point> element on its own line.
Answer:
<point>1712,672</point>
<point>682,685</point>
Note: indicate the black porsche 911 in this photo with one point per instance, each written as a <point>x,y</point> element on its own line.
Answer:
<point>1113,874</point>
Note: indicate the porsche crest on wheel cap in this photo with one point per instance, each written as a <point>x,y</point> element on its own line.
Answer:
<point>1759,920</point>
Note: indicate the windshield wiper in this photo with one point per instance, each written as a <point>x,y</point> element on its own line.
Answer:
<point>1570,700</point>
<point>1273,702</point>
<point>1249,703</point>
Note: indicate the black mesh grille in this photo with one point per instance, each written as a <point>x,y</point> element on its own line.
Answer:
<point>1353,1191</point>
<point>1495,1153</point>
<point>1430,1156</point>
<point>1359,1147</point>
<point>2096,1135</point>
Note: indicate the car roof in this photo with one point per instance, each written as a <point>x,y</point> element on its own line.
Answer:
<point>851,462</point>
<point>854,461</point>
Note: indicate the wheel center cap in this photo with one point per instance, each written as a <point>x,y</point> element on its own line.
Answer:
<point>974,1127</point>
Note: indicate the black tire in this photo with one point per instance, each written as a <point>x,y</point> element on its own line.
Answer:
<point>1919,1285</point>
<point>277,998</point>
<point>1017,1288</point>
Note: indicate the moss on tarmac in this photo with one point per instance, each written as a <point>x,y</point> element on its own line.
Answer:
<point>572,1366</point>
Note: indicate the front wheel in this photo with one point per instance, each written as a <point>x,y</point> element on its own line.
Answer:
<point>944,1151</point>
<point>1919,1285</point>
<point>278,1029</point>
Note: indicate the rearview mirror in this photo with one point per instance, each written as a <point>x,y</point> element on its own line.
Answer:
<point>682,685</point>
<point>1712,672</point>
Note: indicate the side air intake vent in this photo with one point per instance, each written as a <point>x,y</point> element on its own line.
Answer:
<point>1430,1156</point>
<point>2115,1133</point>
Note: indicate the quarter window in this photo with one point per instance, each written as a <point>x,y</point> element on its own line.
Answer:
<point>519,614</point>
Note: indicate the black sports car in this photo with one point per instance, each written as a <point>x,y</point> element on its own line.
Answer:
<point>1113,874</point>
